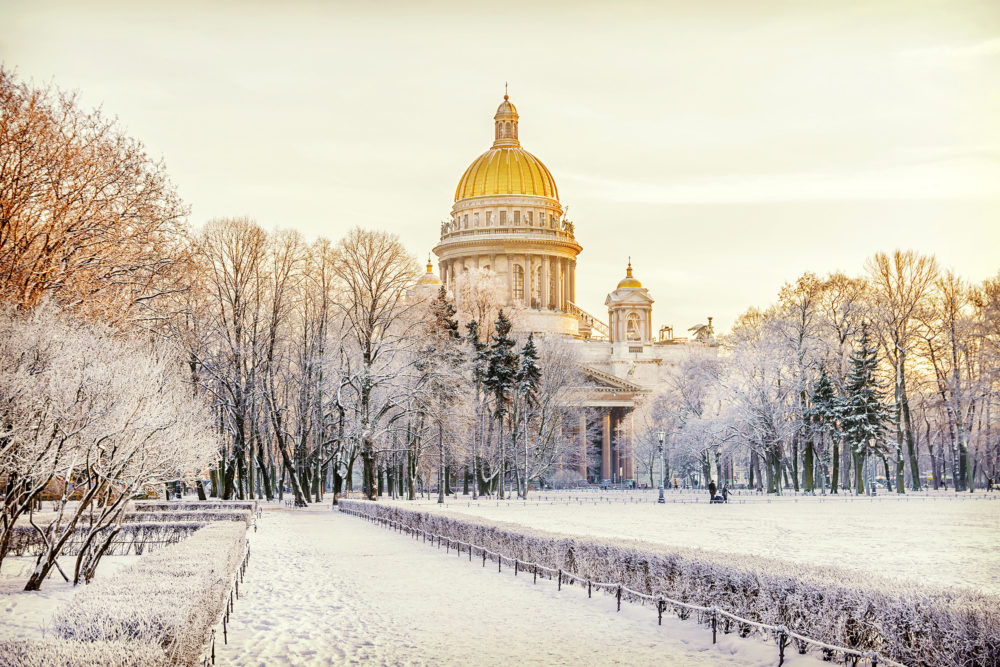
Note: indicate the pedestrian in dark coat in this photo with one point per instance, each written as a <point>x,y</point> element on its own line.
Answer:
<point>711,490</point>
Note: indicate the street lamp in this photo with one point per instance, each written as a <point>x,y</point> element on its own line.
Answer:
<point>871,450</point>
<point>661,435</point>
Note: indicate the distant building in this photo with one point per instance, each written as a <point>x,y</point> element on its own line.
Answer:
<point>507,218</point>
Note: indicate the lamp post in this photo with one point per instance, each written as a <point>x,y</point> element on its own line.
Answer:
<point>661,435</point>
<point>871,451</point>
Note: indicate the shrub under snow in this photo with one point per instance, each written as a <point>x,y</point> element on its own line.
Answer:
<point>53,651</point>
<point>911,624</point>
<point>169,599</point>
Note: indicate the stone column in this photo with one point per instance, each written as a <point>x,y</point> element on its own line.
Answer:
<point>572,282</point>
<point>583,444</point>
<point>606,445</point>
<point>543,289</point>
<point>566,297</point>
<point>616,433</point>
<point>630,465</point>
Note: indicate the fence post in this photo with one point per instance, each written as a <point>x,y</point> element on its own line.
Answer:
<point>225,635</point>
<point>484,557</point>
<point>874,659</point>
<point>782,640</point>
<point>715,624</point>
<point>560,579</point>
<point>619,597</point>
<point>659,612</point>
<point>534,569</point>
<point>499,561</point>
<point>517,563</point>
<point>588,587</point>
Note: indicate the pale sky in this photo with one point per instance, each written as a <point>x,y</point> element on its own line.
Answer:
<point>726,146</point>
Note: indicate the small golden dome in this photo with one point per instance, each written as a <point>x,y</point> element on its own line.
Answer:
<point>506,168</point>
<point>506,109</point>
<point>629,280</point>
<point>429,278</point>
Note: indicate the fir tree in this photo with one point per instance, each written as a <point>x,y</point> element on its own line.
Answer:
<point>527,379</point>
<point>529,375</point>
<point>501,372</point>
<point>822,415</point>
<point>863,410</point>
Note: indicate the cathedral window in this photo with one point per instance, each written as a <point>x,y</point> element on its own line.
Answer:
<point>465,222</point>
<point>489,218</point>
<point>503,218</point>
<point>518,282</point>
<point>553,291</point>
<point>517,217</point>
<point>530,221</point>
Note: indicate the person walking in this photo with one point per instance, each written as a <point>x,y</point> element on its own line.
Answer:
<point>711,490</point>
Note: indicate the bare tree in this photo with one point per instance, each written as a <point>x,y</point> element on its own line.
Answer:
<point>901,285</point>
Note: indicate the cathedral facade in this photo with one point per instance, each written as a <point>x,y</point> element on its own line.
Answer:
<point>507,218</point>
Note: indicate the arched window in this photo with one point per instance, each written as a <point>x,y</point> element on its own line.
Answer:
<point>633,330</point>
<point>465,222</point>
<point>553,291</point>
<point>518,282</point>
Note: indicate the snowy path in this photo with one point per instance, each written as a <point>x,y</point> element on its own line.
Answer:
<point>325,588</point>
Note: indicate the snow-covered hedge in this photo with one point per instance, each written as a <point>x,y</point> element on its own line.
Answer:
<point>169,599</point>
<point>203,516</point>
<point>69,653</point>
<point>131,538</point>
<point>908,623</point>
<point>194,506</point>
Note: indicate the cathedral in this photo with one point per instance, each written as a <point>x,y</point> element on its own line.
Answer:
<point>507,218</point>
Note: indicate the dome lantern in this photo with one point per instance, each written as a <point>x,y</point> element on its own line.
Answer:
<point>629,280</point>
<point>429,278</point>
<point>505,123</point>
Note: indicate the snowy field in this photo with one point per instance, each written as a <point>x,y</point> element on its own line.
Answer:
<point>938,539</point>
<point>326,588</point>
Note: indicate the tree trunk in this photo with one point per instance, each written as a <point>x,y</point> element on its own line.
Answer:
<point>807,468</point>
<point>835,462</point>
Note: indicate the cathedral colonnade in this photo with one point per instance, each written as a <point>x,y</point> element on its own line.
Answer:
<point>606,451</point>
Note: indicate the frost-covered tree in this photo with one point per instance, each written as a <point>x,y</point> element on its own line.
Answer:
<point>92,416</point>
<point>863,412</point>
<point>901,285</point>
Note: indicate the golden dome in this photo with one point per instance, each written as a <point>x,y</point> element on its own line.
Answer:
<point>509,170</point>
<point>506,168</point>
<point>429,278</point>
<point>629,280</point>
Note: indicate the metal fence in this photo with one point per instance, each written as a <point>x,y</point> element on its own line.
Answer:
<point>713,616</point>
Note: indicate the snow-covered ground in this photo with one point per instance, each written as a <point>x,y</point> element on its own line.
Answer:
<point>327,588</point>
<point>941,540</point>
<point>28,614</point>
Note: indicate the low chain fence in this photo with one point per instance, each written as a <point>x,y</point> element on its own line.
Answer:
<point>979,635</point>
<point>208,657</point>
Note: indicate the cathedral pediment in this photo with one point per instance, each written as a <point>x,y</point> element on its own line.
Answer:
<point>604,380</point>
<point>629,297</point>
